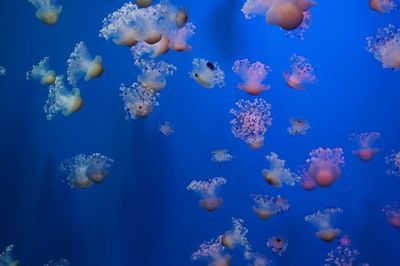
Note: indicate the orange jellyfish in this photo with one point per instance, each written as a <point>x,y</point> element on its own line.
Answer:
<point>208,190</point>
<point>277,174</point>
<point>365,141</point>
<point>392,213</point>
<point>323,220</point>
<point>237,236</point>
<point>302,73</point>
<point>253,75</point>
<point>47,11</point>
<point>382,6</point>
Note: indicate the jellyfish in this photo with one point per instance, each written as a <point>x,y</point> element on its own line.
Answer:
<point>3,71</point>
<point>81,63</point>
<point>392,213</point>
<point>393,161</point>
<point>344,241</point>
<point>139,102</point>
<point>253,75</point>
<point>306,181</point>
<point>42,72</point>
<point>7,257</point>
<point>62,100</point>
<point>265,206</point>
<point>166,128</point>
<point>153,73</point>
<point>47,11</point>
<point>214,252</point>
<point>143,3</point>
<point>298,126</point>
<point>382,6</point>
<point>208,190</point>
<point>237,236</point>
<point>221,156</point>
<point>324,165</point>
<point>300,31</point>
<point>207,74</point>
<point>277,174</point>
<point>365,141</point>
<point>278,244</point>
<point>385,47</point>
<point>302,73</point>
<point>323,220</point>
<point>60,262</point>
<point>153,50</point>
<point>251,121</point>
<point>85,170</point>
<point>178,38</point>
<point>343,255</point>
<point>260,260</point>
<point>181,17</point>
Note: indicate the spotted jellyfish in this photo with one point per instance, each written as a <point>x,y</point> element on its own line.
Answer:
<point>166,128</point>
<point>7,257</point>
<point>154,73</point>
<point>392,213</point>
<point>139,102</point>
<point>252,74</point>
<point>207,74</point>
<point>277,174</point>
<point>298,126</point>
<point>365,140</point>
<point>237,236</point>
<point>278,244</point>
<point>265,206</point>
<point>214,252</point>
<point>382,6</point>
<point>302,73</point>
<point>42,72</point>
<point>323,220</point>
<point>47,11</point>
<point>208,190</point>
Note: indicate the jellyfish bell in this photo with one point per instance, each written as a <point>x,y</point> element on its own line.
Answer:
<point>96,174</point>
<point>153,85</point>
<point>49,78</point>
<point>181,18</point>
<point>160,47</point>
<point>72,103</point>
<point>286,15</point>
<point>328,235</point>
<point>271,179</point>
<point>366,154</point>
<point>394,221</point>
<point>221,261</point>
<point>211,204</point>
<point>128,37</point>
<point>228,240</point>
<point>262,214</point>
<point>375,5</point>
<point>324,173</point>
<point>180,46</point>
<point>305,4</point>
<point>152,37</point>
<point>80,179</point>
<point>293,82</point>
<point>95,69</point>
<point>141,109</point>
<point>253,88</point>
<point>48,14</point>
<point>308,184</point>
<point>256,143</point>
<point>143,3</point>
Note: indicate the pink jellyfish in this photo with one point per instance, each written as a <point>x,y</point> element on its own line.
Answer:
<point>323,220</point>
<point>393,214</point>
<point>382,6</point>
<point>237,236</point>
<point>306,181</point>
<point>302,73</point>
<point>252,74</point>
<point>208,189</point>
<point>365,141</point>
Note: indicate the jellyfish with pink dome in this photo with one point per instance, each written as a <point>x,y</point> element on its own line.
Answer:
<point>252,74</point>
<point>301,73</point>
<point>392,212</point>
<point>301,30</point>
<point>382,6</point>
<point>365,140</point>
<point>305,180</point>
<point>208,190</point>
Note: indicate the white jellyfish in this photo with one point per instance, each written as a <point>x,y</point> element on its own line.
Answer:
<point>178,38</point>
<point>3,71</point>
<point>208,190</point>
<point>302,73</point>
<point>81,64</point>
<point>207,74</point>
<point>42,72</point>
<point>221,156</point>
<point>62,100</point>
<point>277,174</point>
<point>253,74</point>
<point>298,126</point>
<point>323,220</point>
<point>153,73</point>
<point>47,11</point>
<point>7,257</point>
<point>166,128</point>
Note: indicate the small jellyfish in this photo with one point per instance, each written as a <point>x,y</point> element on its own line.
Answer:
<point>306,181</point>
<point>344,241</point>
<point>265,206</point>
<point>300,31</point>
<point>277,174</point>
<point>3,71</point>
<point>143,3</point>
<point>298,126</point>
<point>252,119</point>
<point>7,257</point>
<point>207,74</point>
<point>392,213</point>
<point>60,262</point>
<point>47,11</point>
<point>166,128</point>
<point>393,161</point>
<point>221,156</point>
<point>208,190</point>
<point>139,102</point>
<point>214,252</point>
<point>154,73</point>
<point>382,6</point>
<point>323,220</point>
<point>237,236</point>
<point>81,63</point>
<point>62,100</point>
<point>178,38</point>
<point>365,141</point>
<point>385,47</point>
<point>42,72</point>
<point>302,73</point>
<point>85,170</point>
<point>253,74</point>
<point>260,260</point>
<point>324,165</point>
<point>343,255</point>
<point>278,244</point>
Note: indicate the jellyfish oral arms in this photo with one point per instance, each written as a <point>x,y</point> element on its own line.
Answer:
<point>265,206</point>
<point>298,126</point>
<point>382,6</point>
<point>278,244</point>
<point>207,74</point>
<point>236,237</point>
<point>166,128</point>
<point>392,213</point>
<point>323,220</point>
<point>252,74</point>
<point>42,72</point>
<point>47,11</point>
<point>302,73</point>
<point>365,141</point>
<point>214,252</point>
<point>277,174</point>
<point>208,190</point>
<point>178,38</point>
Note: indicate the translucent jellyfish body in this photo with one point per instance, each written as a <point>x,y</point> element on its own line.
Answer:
<point>382,6</point>
<point>251,121</point>
<point>277,174</point>
<point>298,126</point>
<point>85,170</point>
<point>42,72</point>
<point>178,38</point>
<point>237,236</point>
<point>139,102</point>
<point>392,213</point>
<point>323,220</point>
<point>3,71</point>
<point>208,190</point>
<point>7,257</point>
<point>47,11</point>
<point>265,206</point>
<point>62,100</point>
<point>302,73</point>
<point>60,262</point>
<point>221,156</point>
<point>81,64</point>
<point>153,73</point>
<point>304,26</point>
<point>365,140</point>
<point>252,74</point>
<point>166,128</point>
<point>324,165</point>
<point>207,74</point>
<point>393,161</point>
<point>152,50</point>
<point>278,244</point>
<point>214,252</point>
<point>385,46</point>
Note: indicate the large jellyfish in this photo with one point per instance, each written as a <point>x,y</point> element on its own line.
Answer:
<point>221,156</point>
<point>393,161</point>
<point>277,174</point>
<point>62,100</point>
<point>324,165</point>
<point>392,213</point>
<point>60,262</point>
<point>7,257</point>
<point>81,64</point>
<point>302,73</point>
<point>42,72</point>
<point>385,46</point>
<point>139,102</point>
<point>237,236</point>
<point>166,128</point>
<point>214,252</point>
<point>3,71</point>
<point>298,126</point>
<point>304,26</point>
<point>323,220</point>
<point>278,244</point>
<point>252,74</point>
<point>178,38</point>
<point>365,141</point>
<point>207,74</point>
<point>252,119</point>
<point>343,255</point>
<point>47,11</point>
<point>382,6</point>
<point>154,73</point>
<point>85,170</point>
<point>265,206</point>
<point>208,190</point>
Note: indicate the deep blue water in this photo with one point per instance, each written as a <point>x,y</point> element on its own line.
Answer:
<point>143,214</point>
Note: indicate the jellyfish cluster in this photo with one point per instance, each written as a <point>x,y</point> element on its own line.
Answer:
<point>278,244</point>
<point>208,190</point>
<point>392,212</point>
<point>166,128</point>
<point>7,257</point>
<point>365,140</point>
<point>393,161</point>
<point>221,156</point>
<point>208,74</point>
<point>3,71</point>
<point>301,73</point>
<point>85,170</point>
<point>60,262</point>
<point>47,11</point>
<point>266,206</point>
<point>42,72</point>
<point>252,75</point>
<point>251,121</point>
<point>382,6</point>
<point>298,126</point>
<point>324,221</point>
<point>277,174</point>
